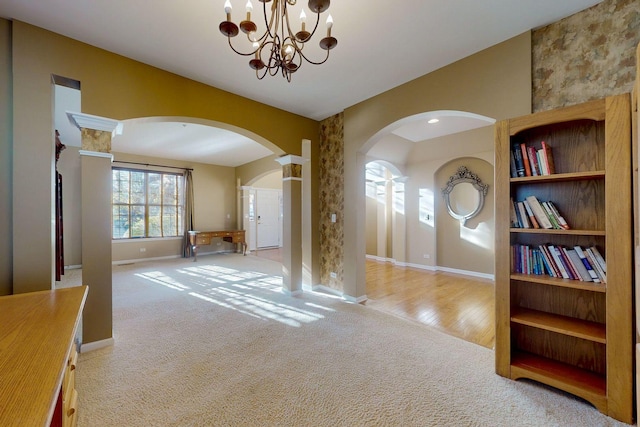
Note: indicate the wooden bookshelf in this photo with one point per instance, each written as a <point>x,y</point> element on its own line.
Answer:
<point>580,382</point>
<point>572,335</point>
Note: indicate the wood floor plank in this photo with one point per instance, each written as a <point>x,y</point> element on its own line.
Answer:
<point>458,305</point>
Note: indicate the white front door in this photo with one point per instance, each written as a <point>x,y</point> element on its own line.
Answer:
<point>268,218</point>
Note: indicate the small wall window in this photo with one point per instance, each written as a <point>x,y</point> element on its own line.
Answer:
<point>146,204</point>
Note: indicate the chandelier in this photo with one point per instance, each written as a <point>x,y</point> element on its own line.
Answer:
<point>279,49</point>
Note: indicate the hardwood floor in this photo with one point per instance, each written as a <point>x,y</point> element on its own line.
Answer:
<point>274,254</point>
<point>457,305</point>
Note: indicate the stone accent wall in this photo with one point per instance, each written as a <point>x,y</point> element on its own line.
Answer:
<point>332,201</point>
<point>586,56</point>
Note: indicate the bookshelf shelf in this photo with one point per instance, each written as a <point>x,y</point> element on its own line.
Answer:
<point>578,328</point>
<point>574,335</point>
<point>565,283</point>
<point>580,382</point>
<point>558,232</point>
<point>560,177</point>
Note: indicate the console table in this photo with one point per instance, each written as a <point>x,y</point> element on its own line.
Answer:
<point>38,357</point>
<point>204,238</point>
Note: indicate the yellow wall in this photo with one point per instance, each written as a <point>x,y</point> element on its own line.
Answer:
<point>115,87</point>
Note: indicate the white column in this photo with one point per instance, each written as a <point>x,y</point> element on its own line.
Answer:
<point>292,217</point>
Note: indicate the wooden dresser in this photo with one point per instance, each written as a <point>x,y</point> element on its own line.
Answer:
<point>38,357</point>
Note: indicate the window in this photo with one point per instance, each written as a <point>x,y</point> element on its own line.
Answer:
<point>146,204</point>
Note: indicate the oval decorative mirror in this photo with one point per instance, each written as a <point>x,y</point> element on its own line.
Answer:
<point>464,194</point>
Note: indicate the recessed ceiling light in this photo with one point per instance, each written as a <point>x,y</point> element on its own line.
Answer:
<point>432,121</point>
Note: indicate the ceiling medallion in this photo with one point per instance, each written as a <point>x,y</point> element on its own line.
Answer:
<point>278,49</point>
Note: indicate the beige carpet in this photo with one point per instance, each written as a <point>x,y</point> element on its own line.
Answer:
<point>215,343</point>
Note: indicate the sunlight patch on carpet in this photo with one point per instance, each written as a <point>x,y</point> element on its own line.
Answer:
<point>236,290</point>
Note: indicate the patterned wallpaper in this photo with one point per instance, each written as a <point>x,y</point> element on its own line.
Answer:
<point>586,56</point>
<point>332,200</point>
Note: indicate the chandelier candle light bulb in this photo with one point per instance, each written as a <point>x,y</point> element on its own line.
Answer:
<point>227,9</point>
<point>278,49</point>
<point>249,10</point>
<point>303,19</point>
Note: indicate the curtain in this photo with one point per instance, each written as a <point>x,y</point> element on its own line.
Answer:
<point>188,213</point>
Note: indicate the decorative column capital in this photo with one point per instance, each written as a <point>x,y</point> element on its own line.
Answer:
<point>88,121</point>
<point>291,167</point>
<point>96,131</point>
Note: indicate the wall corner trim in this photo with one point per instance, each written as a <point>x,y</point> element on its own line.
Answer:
<point>96,345</point>
<point>96,154</point>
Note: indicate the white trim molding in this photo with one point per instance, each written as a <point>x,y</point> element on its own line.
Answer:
<point>96,154</point>
<point>291,159</point>
<point>88,121</point>
<point>96,345</point>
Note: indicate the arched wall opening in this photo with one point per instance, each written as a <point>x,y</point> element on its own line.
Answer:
<point>385,221</point>
<point>402,210</point>
<point>495,82</point>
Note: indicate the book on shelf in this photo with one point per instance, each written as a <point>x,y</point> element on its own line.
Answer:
<point>565,268</point>
<point>542,161</point>
<point>548,158</point>
<point>533,161</point>
<point>577,264</point>
<point>556,214</point>
<point>517,158</point>
<point>532,213</point>
<point>599,258</point>
<point>538,212</point>
<point>557,261</point>
<point>512,165</point>
<point>527,260</point>
<point>528,160</point>
<point>522,215</point>
<point>554,271</point>
<point>595,264</point>
<point>585,261</point>
<point>515,223</point>
<point>525,159</point>
<point>532,218</point>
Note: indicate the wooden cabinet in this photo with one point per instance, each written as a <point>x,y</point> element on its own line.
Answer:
<point>573,335</point>
<point>68,390</point>
<point>38,357</point>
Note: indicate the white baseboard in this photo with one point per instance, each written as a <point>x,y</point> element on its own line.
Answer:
<point>291,293</point>
<point>467,273</point>
<point>73,267</point>
<point>160,258</point>
<point>134,260</point>
<point>354,300</point>
<point>421,266</point>
<point>336,293</point>
<point>377,258</point>
<point>327,290</point>
<point>96,345</point>
<point>433,268</point>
